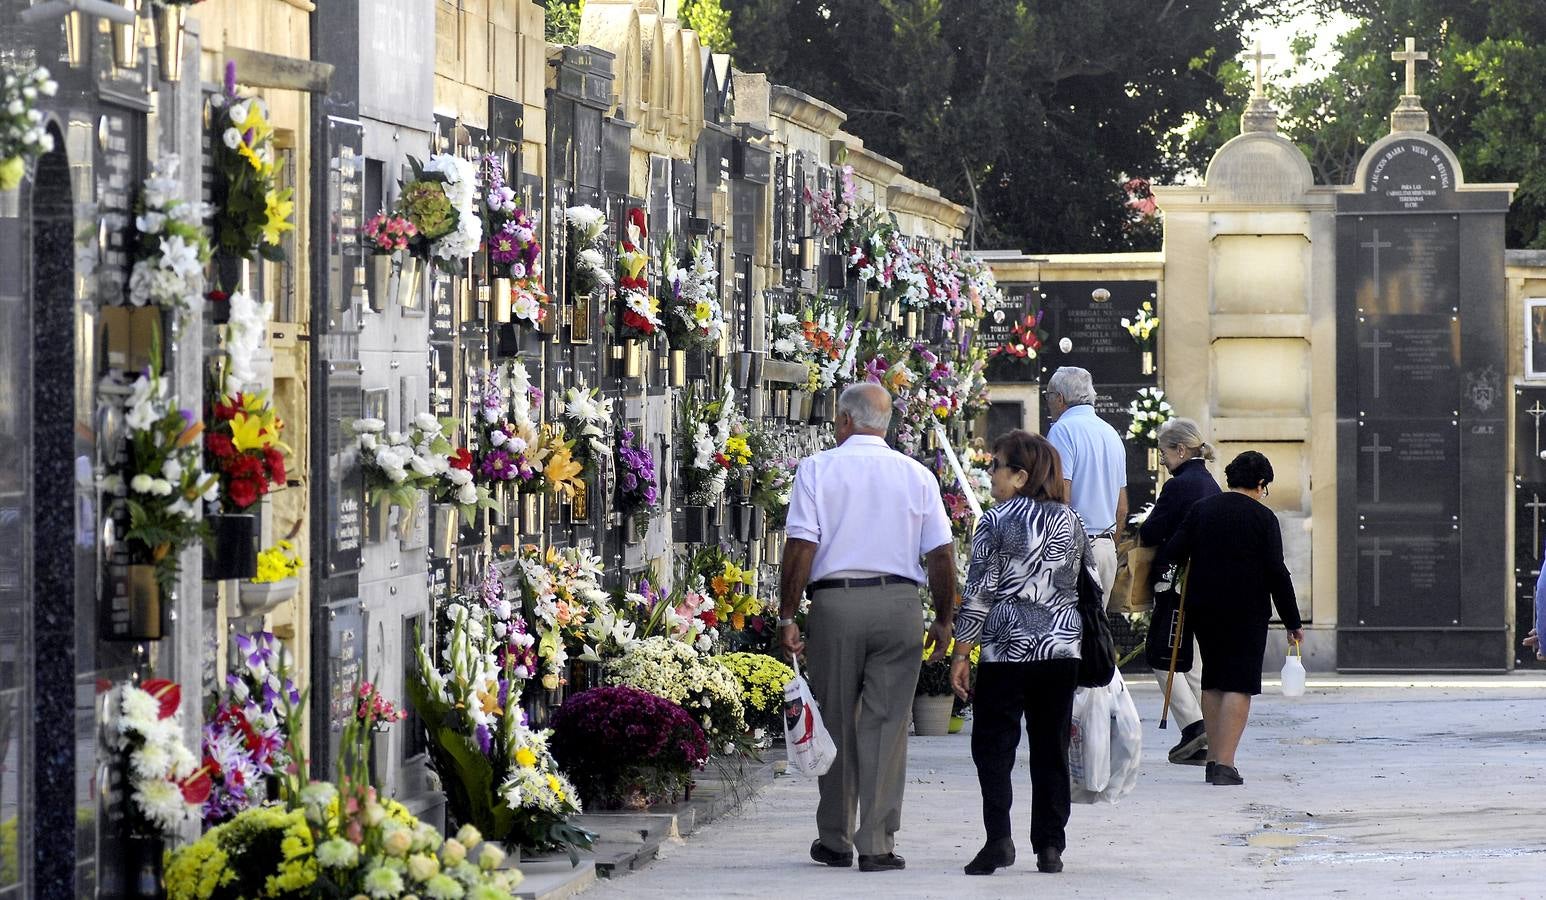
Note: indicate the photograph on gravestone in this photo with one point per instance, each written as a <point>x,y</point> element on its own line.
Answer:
<point>1089,315</point>
<point>1535,337</point>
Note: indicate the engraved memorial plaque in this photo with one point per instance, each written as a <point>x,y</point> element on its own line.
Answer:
<point>1413,573</point>
<point>346,480</point>
<point>346,666</point>
<point>1406,469</point>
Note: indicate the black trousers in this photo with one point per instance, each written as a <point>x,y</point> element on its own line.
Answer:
<point>1041,694</point>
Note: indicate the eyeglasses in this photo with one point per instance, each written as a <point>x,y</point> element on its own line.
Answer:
<point>997,464</point>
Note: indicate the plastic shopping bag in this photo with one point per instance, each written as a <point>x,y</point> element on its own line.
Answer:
<point>1089,740</point>
<point>1293,672</point>
<point>1123,745</point>
<point>811,749</point>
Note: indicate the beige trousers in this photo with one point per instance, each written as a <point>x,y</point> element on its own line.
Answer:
<point>864,648</point>
<point>1105,552</point>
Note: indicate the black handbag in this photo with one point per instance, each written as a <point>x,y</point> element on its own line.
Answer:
<point>1097,650</point>
<point>1162,634</point>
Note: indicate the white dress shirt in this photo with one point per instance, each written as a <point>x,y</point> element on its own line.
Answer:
<point>867,508</point>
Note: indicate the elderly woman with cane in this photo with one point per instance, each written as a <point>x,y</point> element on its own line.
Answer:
<point>1021,603</point>
<point>1233,549</point>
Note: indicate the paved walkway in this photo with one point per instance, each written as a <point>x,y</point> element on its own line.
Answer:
<point>1364,790</point>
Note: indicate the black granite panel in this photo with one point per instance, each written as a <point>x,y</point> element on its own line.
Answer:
<point>1530,433</point>
<point>1409,365</point>
<point>587,148</point>
<point>561,118</point>
<point>1406,469</point>
<point>1099,343</point>
<point>346,666</point>
<point>1408,264</point>
<point>1412,571</point>
<point>1421,650</point>
<point>1483,524</point>
<point>345,509</point>
<point>616,152</point>
<point>507,119</point>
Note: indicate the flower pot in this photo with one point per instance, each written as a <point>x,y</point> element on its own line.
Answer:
<point>502,301</point>
<point>957,723</point>
<point>695,525</point>
<point>773,548</point>
<point>678,368</point>
<point>931,714</point>
<point>126,38</point>
<point>232,550</point>
<point>407,521</point>
<point>532,514</point>
<point>378,270</point>
<point>835,266</point>
<point>871,306</point>
<point>748,369</point>
<point>821,407</point>
<point>143,861</point>
<point>444,519</point>
<point>257,599</point>
<point>144,604</point>
<point>799,411</point>
<point>741,521</point>
<point>1154,459</point>
<point>1148,362</point>
<point>78,30</point>
<point>934,327</point>
<point>170,24</point>
<point>633,359</point>
<point>778,403</point>
<point>409,273</point>
<point>910,325</point>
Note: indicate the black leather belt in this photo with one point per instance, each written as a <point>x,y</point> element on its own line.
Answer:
<point>1107,535</point>
<point>828,584</point>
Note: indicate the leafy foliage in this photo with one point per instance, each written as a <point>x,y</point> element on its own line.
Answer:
<point>1036,114</point>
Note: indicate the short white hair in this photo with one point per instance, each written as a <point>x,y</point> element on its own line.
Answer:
<point>1073,384</point>
<point>867,404</point>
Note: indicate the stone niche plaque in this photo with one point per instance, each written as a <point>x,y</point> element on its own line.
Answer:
<point>1089,314</point>
<point>346,666</point>
<point>1413,574</point>
<point>1530,435</point>
<point>346,480</point>
<point>1406,469</point>
<point>1409,365</point>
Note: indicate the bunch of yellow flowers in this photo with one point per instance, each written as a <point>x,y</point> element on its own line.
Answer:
<point>277,563</point>
<point>733,598</point>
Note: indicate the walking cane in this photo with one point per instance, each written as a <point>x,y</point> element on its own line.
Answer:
<point>1175,648</point>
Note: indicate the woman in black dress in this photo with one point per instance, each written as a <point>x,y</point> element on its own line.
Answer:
<point>1234,551</point>
<point>1186,455</point>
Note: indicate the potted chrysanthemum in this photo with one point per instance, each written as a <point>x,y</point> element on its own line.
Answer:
<point>275,581</point>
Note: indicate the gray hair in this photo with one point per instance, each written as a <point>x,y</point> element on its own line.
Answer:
<point>1073,384</point>
<point>1185,433</point>
<point>867,404</point>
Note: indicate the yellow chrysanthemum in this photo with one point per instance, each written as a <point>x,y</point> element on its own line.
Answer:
<point>525,758</point>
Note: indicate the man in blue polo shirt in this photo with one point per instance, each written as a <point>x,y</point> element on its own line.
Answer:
<point>1094,465</point>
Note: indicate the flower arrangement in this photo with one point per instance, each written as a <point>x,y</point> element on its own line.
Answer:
<point>686,614</point>
<point>831,210</point>
<point>246,332</point>
<point>699,684</point>
<point>166,785</point>
<point>22,136</point>
<point>707,427</point>
<point>773,469</point>
<point>788,340</point>
<point>499,776</point>
<point>627,747</point>
<point>246,737</point>
<point>508,446</point>
<point>1024,343</point>
<point>385,234</point>
<point>400,464</point>
<point>563,475</point>
<point>588,417</point>
<point>1149,411</point>
<point>979,285</point>
<point>587,243</point>
<point>251,212</point>
<point>277,563</point>
<point>560,594</point>
<point>1141,327</point>
<point>439,199</point>
<point>243,448</point>
<point>638,312</point>
<point>731,588</point>
<point>637,489</point>
<point>172,247</point>
<point>164,474</point>
<point>762,679</point>
<point>691,310</point>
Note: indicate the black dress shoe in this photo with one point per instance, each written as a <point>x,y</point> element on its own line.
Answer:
<point>821,854</point>
<point>997,854</point>
<point>1207,774</point>
<point>1191,750</point>
<point>1225,775</point>
<point>1049,859</point>
<point>881,862</point>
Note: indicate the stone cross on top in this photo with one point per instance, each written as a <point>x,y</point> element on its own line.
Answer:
<point>1259,58</point>
<point>1412,56</point>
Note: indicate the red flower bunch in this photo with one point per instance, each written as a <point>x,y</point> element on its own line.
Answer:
<point>1024,341</point>
<point>375,710</point>
<point>462,459</point>
<point>387,234</point>
<point>244,449</point>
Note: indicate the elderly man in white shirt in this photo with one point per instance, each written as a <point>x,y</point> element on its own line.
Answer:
<point>860,518</point>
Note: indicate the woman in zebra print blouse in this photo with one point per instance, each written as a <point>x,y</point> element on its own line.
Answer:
<point>1021,604</point>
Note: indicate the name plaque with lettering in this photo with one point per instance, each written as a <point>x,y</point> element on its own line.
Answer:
<point>1413,574</point>
<point>1407,468</point>
<point>346,665</point>
<point>346,480</point>
<point>1089,314</point>
<point>1409,365</point>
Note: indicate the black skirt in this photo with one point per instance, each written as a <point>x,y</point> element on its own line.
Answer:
<point>1232,650</point>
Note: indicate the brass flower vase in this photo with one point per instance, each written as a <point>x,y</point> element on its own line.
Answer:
<point>1148,362</point>
<point>144,603</point>
<point>171,23</point>
<point>678,368</point>
<point>409,273</point>
<point>502,301</point>
<point>378,269</point>
<point>126,38</point>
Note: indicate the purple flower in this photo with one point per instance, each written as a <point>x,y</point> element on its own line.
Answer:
<point>485,739</point>
<point>496,465</point>
<point>630,481</point>
<point>230,78</point>
<point>503,248</point>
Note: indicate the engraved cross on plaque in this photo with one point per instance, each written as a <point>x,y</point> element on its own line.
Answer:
<point>1375,554</point>
<point>1377,345</point>
<point>1259,57</point>
<point>1374,243</point>
<point>1535,506</point>
<point>1536,412</point>
<point>1376,450</point>
<point>1412,56</point>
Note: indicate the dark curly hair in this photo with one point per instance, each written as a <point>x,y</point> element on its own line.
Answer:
<point>1249,470</point>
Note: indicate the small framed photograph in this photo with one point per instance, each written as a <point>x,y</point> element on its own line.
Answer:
<point>1535,337</point>
<point>579,319</point>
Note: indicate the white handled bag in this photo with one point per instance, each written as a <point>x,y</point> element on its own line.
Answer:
<point>811,749</point>
<point>1109,717</point>
<point>1293,672</point>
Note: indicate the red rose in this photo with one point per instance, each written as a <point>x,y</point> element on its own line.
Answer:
<point>710,618</point>
<point>276,465</point>
<point>461,459</point>
<point>243,493</point>
<point>220,445</point>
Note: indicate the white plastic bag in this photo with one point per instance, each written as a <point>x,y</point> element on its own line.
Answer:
<point>1293,672</point>
<point>811,749</point>
<point>1089,739</point>
<point>1123,744</point>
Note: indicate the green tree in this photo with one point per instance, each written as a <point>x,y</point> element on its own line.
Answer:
<point>1484,86</point>
<point>1041,111</point>
<point>708,18</point>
